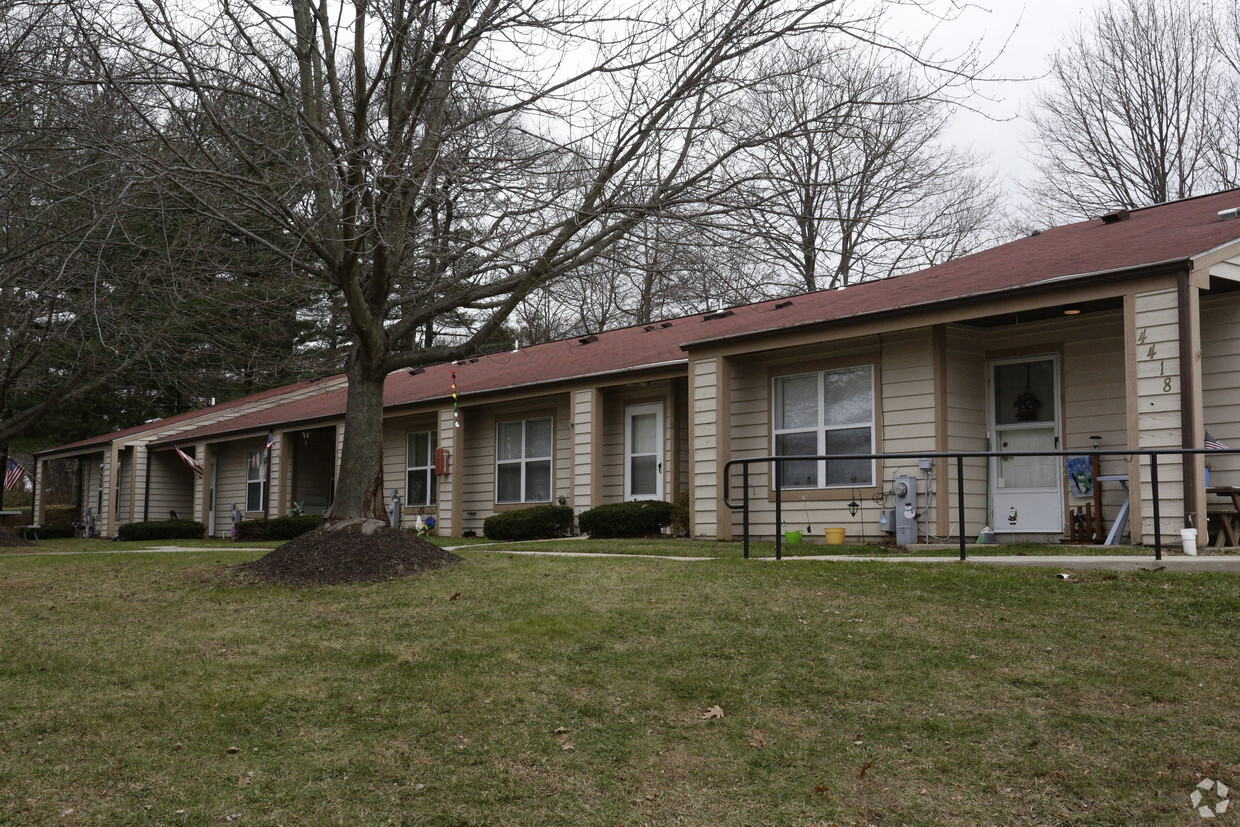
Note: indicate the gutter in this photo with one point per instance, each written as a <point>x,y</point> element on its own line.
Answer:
<point>1167,266</point>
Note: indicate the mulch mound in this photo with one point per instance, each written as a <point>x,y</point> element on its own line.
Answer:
<point>347,555</point>
<point>10,539</point>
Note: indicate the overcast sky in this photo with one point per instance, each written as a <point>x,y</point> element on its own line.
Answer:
<point>1035,29</point>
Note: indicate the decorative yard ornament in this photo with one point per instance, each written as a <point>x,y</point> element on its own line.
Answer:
<point>456,408</point>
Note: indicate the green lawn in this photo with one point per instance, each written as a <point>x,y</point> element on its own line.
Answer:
<point>146,689</point>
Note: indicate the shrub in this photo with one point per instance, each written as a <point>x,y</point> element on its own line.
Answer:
<point>639,518</point>
<point>537,523</point>
<point>278,528</point>
<point>162,530</point>
<point>52,531</point>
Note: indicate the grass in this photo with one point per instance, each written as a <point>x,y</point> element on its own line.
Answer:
<point>145,689</point>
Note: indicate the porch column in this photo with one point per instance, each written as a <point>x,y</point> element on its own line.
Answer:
<point>587,468</point>
<point>447,487</point>
<point>1164,394</point>
<point>710,381</point>
<point>275,477</point>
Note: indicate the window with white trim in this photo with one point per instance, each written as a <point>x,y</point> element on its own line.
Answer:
<point>256,481</point>
<point>420,468</point>
<point>523,461</point>
<point>828,412</point>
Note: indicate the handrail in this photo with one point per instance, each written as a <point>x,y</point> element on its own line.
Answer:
<point>959,457</point>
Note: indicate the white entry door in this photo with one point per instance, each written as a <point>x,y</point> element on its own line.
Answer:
<point>1026,492</point>
<point>643,452</point>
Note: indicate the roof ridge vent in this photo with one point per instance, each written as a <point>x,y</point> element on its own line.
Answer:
<point>1115,216</point>
<point>585,340</point>
<point>1228,215</point>
<point>722,314</point>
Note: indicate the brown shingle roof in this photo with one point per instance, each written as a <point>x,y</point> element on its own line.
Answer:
<point>1170,234</point>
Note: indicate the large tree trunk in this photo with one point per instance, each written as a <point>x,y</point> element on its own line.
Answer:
<point>359,483</point>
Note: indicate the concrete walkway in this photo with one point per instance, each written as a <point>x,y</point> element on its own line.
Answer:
<point>1114,562</point>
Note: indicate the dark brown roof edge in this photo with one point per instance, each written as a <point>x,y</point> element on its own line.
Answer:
<point>1103,276</point>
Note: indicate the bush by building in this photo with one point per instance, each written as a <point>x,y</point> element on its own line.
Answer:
<point>537,523</point>
<point>638,518</point>
<point>162,530</point>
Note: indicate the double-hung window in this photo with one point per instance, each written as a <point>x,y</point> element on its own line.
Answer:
<point>823,413</point>
<point>420,468</point>
<point>523,461</point>
<point>255,481</point>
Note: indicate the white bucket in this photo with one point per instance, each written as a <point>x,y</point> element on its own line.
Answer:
<point>1189,537</point>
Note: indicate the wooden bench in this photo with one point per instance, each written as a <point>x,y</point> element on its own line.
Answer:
<point>1224,525</point>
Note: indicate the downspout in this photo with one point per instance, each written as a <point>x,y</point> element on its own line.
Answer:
<point>1188,393</point>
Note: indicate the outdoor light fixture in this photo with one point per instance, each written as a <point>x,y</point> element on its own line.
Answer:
<point>853,505</point>
<point>1072,310</point>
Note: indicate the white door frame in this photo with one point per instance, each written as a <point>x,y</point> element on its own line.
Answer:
<point>1045,505</point>
<point>631,411</point>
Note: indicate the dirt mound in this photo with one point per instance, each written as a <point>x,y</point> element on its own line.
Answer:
<point>10,539</point>
<point>347,555</point>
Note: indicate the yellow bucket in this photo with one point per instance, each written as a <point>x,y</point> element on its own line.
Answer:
<point>835,536</point>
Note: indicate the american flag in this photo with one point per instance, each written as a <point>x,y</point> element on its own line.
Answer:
<point>13,475</point>
<point>194,464</point>
<point>1213,444</point>
<point>271,440</point>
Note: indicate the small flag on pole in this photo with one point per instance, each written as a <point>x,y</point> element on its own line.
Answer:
<point>194,464</point>
<point>271,440</point>
<point>13,475</point>
<point>1213,444</point>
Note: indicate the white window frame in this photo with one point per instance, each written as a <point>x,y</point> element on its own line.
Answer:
<point>525,460</point>
<point>821,428</point>
<point>427,469</point>
<point>260,480</point>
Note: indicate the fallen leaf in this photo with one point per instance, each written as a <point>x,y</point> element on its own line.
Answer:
<point>865,768</point>
<point>233,750</point>
<point>455,596</point>
<point>822,789</point>
<point>713,712</point>
<point>244,781</point>
<point>758,739</point>
<point>567,745</point>
<point>560,730</point>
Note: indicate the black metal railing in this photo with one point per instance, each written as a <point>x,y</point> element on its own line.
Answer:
<point>959,457</point>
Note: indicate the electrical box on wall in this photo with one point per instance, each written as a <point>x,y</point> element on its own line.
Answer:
<point>905,490</point>
<point>887,520</point>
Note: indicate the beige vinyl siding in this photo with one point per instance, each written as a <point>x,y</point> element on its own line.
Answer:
<point>1158,404</point>
<point>587,419</point>
<point>92,482</point>
<point>1092,386</point>
<point>395,437</point>
<point>171,486</point>
<point>1220,383</point>
<point>613,458</point>
<point>904,420</point>
<point>230,485</point>
<point>966,425</point>
<point>478,471</point>
<point>706,418</point>
<point>122,488</point>
<point>908,411</point>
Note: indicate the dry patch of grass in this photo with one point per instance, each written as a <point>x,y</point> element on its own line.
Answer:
<point>518,690</point>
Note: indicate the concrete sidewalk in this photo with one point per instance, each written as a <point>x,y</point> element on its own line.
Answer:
<point>1112,562</point>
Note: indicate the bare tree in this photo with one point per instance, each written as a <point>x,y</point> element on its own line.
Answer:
<point>1131,115</point>
<point>420,159</point>
<point>858,185</point>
